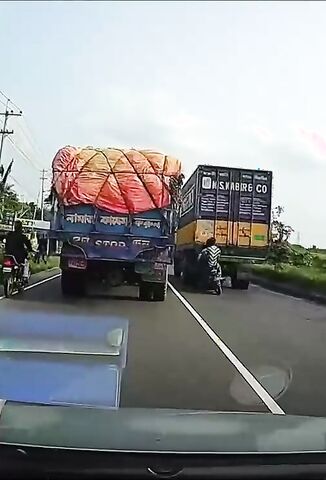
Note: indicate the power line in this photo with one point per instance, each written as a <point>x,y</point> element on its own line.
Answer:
<point>24,155</point>
<point>10,101</point>
<point>25,131</point>
<point>23,188</point>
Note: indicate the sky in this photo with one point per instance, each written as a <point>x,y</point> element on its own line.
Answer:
<point>224,83</point>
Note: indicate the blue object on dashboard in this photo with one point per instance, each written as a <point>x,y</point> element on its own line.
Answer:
<point>48,379</point>
<point>61,359</point>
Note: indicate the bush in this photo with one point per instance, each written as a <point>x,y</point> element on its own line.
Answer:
<point>309,278</point>
<point>40,267</point>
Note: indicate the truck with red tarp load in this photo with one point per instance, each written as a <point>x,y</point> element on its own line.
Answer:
<point>116,214</point>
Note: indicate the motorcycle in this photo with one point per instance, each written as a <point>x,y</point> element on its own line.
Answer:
<point>210,279</point>
<point>214,283</point>
<point>13,280</point>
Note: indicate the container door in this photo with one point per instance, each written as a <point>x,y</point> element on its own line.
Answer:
<point>250,201</point>
<point>234,206</point>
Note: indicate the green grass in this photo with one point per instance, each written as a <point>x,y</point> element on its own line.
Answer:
<point>311,278</point>
<point>40,267</point>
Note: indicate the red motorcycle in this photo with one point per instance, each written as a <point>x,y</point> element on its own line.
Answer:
<point>13,280</point>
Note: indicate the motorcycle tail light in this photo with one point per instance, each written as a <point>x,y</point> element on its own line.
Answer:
<point>8,262</point>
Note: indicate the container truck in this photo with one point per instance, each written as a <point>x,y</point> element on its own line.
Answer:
<point>116,216</point>
<point>234,206</point>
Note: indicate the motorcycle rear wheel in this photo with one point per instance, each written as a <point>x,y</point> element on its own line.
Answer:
<point>8,285</point>
<point>218,290</point>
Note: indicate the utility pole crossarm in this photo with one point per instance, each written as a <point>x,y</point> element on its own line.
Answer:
<point>6,132</point>
<point>10,113</point>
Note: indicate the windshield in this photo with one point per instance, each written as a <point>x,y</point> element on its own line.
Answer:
<point>162,239</point>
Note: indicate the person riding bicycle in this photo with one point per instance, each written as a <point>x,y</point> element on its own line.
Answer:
<point>18,245</point>
<point>209,260</point>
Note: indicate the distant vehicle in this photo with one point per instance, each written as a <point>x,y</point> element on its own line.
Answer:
<point>116,215</point>
<point>234,206</point>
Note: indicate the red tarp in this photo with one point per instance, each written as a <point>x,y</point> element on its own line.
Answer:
<point>121,181</point>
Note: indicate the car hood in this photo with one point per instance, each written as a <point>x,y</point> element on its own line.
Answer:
<point>159,430</point>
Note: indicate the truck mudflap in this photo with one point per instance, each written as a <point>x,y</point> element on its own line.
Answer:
<point>59,360</point>
<point>152,272</point>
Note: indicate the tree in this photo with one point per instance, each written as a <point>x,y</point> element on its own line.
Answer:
<point>9,199</point>
<point>5,174</point>
<point>281,251</point>
<point>280,231</point>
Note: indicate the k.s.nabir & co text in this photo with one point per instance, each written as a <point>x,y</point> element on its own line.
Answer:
<point>239,186</point>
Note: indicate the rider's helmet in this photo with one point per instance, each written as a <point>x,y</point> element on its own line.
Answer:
<point>210,242</point>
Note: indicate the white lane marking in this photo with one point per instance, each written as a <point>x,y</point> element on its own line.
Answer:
<point>36,284</point>
<point>244,372</point>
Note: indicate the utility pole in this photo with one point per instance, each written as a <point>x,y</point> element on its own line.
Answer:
<point>43,178</point>
<point>4,131</point>
<point>298,238</point>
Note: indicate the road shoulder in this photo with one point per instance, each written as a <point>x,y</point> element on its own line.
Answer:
<point>289,289</point>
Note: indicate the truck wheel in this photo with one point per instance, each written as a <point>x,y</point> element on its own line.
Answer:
<point>72,284</point>
<point>145,291</point>
<point>238,284</point>
<point>177,268</point>
<point>67,283</point>
<point>160,292</point>
<point>188,277</point>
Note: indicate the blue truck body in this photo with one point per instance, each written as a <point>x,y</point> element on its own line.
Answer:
<point>138,246</point>
<point>111,236</point>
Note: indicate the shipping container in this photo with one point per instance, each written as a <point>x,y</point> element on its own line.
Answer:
<point>231,204</point>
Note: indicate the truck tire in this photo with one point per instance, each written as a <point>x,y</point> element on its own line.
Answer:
<point>72,283</point>
<point>190,268</point>
<point>177,266</point>
<point>145,291</point>
<point>188,277</point>
<point>177,269</point>
<point>160,292</point>
<point>239,284</point>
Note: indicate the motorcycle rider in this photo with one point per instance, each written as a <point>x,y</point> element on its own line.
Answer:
<point>18,245</point>
<point>209,261</point>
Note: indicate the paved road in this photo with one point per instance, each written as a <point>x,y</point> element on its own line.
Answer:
<point>181,358</point>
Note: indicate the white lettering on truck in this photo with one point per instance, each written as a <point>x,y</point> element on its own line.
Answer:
<point>235,186</point>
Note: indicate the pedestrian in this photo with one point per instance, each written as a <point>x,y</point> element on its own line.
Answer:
<point>42,249</point>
